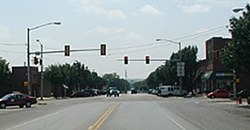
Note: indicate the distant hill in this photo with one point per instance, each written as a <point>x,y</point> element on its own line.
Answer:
<point>131,81</point>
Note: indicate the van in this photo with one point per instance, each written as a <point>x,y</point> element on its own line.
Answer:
<point>171,91</point>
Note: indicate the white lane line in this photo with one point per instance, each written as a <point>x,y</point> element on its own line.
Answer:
<point>172,119</point>
<point>40,118</point>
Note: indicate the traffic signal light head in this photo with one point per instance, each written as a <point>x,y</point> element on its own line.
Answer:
<point>147,59</point>
<point>103,49</point>
<point>66,50</point>
<point>36,60</point>
<point>125,59</point>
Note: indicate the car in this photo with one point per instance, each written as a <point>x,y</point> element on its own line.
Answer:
<point>168,90</point>
<point>80,94</point>
<point>133,91</point>
<point>113,91</point>
<point>219,93</point>
<point>17,99</point>
<point>243,93</point>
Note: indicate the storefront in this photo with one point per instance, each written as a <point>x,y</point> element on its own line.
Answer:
<point>212,80</point>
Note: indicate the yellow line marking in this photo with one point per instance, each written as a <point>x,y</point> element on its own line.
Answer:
<point>102,118</point>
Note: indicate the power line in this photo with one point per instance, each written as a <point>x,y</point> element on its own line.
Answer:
<point>11,44</point>
<point>200,34</point>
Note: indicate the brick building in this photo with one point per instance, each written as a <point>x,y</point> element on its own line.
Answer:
<point>211,73</point>
<point>19,76</point>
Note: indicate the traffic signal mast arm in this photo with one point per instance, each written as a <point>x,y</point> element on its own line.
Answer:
<point>48,52</point>
<point>143,59</point>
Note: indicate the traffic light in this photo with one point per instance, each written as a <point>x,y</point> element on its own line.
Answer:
<point>147,59</point>
<point>103,49</point>
<point>36,60</point>
<point>66,50</point>
<point>125,59</point>
<point>41,61</point>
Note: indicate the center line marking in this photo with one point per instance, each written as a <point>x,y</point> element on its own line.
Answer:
<point>102,118</point>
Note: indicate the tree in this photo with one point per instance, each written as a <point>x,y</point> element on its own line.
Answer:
<point>4,72</point>
<point>76,76</point>
<point>236,54</point>
<point>4,76</point>
<point>113,80</point>
<point>166,74</point>
<point>54,74</point>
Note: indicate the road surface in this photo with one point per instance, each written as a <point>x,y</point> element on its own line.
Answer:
<point>127,112</point>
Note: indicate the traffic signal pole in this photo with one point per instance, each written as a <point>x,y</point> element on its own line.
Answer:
<point>79,50</point>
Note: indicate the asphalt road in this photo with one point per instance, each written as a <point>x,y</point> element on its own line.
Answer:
<point>128,112</point>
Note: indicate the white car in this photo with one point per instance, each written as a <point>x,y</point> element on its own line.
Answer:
<point>171,91</point>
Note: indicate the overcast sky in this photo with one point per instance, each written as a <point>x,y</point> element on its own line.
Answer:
<point>127,27</point>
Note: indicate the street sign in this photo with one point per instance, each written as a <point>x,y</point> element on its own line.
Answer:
<point>180,69</point>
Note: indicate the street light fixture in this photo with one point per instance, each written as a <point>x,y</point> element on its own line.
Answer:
<point>28,50</point>
<point>174,42</point>
<point>236,10</point>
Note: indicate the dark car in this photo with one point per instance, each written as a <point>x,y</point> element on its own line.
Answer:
<point>133,91</point>
<point>243,93</point>
<point>17,99</point>
<point>80,94</point>
<point>113,91</point>
<point>91,92</point>
<point>219,93</point>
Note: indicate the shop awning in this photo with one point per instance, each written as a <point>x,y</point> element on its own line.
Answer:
<point>218,75</point>
<point>207,75</point>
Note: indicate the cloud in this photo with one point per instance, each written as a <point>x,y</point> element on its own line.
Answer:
<point>4,32</point>
<point>97,7</point>
<point>149,9</point>
<point>196,8</point>
<point>115,33</point>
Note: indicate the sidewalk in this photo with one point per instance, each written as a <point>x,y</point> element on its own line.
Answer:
<point>45,100</point>
<point>223,100</point>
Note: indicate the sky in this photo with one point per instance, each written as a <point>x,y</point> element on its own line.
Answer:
<point>127,27</point>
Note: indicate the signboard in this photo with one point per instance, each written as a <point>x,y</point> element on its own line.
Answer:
<point>180,69</point>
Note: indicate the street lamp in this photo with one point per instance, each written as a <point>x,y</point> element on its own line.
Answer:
<point>28,50</point>
<point>41,63</point>
<point>166,40</point>
<point>174,42</point>
<point>235,10</point>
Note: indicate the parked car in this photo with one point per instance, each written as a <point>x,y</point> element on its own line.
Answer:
<point>133,91</point>
<point>17,99</point>
<point>243,93</point>
<point>219,93</point>
<point>150,91</point>
<point>113,91</point>
<point>91,92</point>
<point>80,94</point>
<point>171,91</point>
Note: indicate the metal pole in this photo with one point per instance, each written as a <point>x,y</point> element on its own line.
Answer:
<point>28,61</point>
<point>180,62</point>
<point>234,85</point>
<point>28,51</point>
<point>41,71</point>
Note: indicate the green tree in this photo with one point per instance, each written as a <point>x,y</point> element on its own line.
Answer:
<point>54,74</point>
<point>76,76</point>
<point>236,54</point>
<point>4,72</point>
<point>4,76</point>
<point>166,74</point>
<point>113,80</point>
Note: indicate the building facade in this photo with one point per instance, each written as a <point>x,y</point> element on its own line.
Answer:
<point>19,76</point>
<point>213,74</point>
